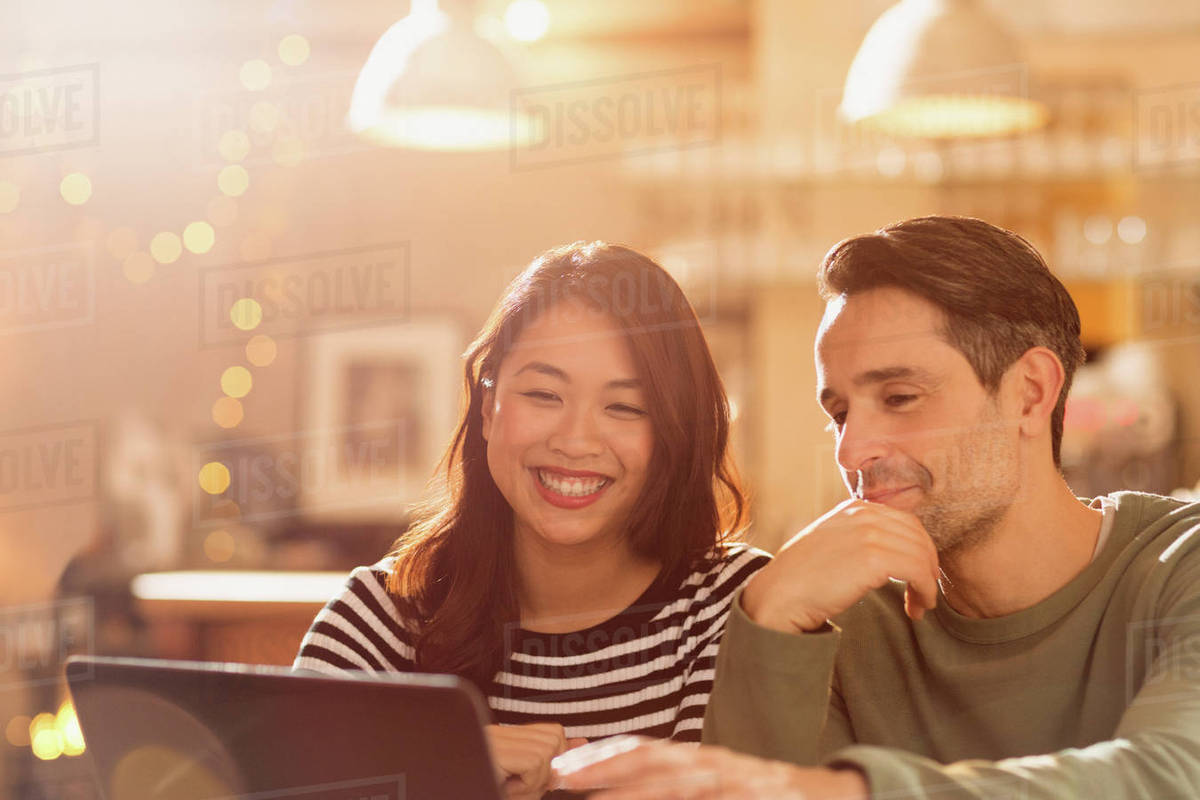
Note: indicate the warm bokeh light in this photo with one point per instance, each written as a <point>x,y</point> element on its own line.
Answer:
<point>227,412</point>
<point>138,267</point>
<point>166,247</point>
<point>234,145</point>
<point>219,546</point>
<point>10,196</point>
<point>236,381</point>
<point>76,188</point>
<point>17,731</point>
<point>198,236</point>
<point>261,350</point>
<point>1097,229</point>
<point>121,242</point>
<point>527,20</point>
<point>288,152</point>
<point>255,75</point>
<point>213,477</point>
<point>67,723</point>
<point>293,50</point>
<point>246,313</point>
<point>222,211</point>
<point>45,738</point>
<point>1132,230</point>
<point>957,116</point>
<point>264,117</point>
<point>233,180</point>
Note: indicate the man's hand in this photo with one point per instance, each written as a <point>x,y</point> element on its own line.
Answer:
<point>522,755</point>
<point>831,564</point>
<point>645,769</point>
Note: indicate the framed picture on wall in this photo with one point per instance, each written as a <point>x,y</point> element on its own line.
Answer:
<point>379,405</point>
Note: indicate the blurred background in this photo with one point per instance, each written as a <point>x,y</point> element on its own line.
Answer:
<point>243,245</point>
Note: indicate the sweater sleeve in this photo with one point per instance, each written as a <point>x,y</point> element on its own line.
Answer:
<point>771,696</point>
<point>360,629</point>
<point>1154,752</point>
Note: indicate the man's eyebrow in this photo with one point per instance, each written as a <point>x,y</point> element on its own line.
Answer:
<point>555,372</point>
<point>879,376</point>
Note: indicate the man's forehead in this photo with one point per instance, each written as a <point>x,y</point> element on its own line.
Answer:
<point>881,317</point>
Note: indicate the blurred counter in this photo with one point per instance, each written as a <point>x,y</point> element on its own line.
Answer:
<point>243,616</point>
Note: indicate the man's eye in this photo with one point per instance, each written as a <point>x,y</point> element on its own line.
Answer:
<point>897,400</point>
<point>836,422</point>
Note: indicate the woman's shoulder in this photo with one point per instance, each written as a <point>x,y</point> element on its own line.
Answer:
<point>365,590</point>
<point>725,569</point>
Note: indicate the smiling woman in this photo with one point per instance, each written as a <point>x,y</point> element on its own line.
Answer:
<point>576,565</point>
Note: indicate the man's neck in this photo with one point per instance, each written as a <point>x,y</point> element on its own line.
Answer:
<point>569,588</point>
<point>1046,538</point>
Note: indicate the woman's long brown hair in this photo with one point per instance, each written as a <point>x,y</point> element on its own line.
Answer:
<point>455,572</point>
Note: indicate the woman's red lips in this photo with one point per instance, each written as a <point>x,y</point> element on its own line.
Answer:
<point>555,497</point>
<point>572,473</point>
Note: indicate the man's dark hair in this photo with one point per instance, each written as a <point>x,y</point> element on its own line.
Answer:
<point>998,296</point>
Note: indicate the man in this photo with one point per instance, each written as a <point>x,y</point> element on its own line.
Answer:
<point>964,626</point>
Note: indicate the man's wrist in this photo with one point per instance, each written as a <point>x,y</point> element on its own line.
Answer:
<point>755,602</point>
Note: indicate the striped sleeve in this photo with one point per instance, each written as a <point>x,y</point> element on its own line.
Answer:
<point>710,611</point>
<point>360,629</point>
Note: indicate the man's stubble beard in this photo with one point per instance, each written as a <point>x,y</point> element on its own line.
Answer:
<point>965,516</point>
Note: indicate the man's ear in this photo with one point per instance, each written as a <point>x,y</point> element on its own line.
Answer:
<point>489,397</point>
<point>1039,377</point>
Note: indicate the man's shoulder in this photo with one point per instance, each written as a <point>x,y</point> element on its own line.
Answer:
<point>1156,527</point>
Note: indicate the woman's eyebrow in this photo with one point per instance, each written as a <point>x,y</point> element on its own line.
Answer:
<point>545,369</point>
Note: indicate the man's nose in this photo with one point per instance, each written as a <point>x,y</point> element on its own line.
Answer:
<point>860,441</point>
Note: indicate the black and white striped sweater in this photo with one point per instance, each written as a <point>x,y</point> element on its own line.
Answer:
<point>648,670</point>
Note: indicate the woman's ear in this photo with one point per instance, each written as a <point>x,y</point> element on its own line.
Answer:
<point>489,397</point>
<point>1040,379</point>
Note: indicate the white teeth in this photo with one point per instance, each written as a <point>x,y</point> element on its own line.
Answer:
<point>571,487</point>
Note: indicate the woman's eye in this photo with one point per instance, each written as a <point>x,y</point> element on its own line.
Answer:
<point>836,422</point>
<point>538,394</point>
<point>627,410</point>
<point>897,400</point>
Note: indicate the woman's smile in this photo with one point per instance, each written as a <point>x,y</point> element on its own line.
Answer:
<point>570,488</point>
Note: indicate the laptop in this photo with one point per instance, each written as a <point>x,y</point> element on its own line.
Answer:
<point>197,731</point>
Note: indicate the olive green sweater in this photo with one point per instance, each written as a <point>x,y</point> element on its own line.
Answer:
<point>1092,693</point>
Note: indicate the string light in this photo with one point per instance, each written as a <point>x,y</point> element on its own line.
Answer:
<point>246,313</point>
<point>138,267</point>
<point>236,381</point>
<point>255,75</point>
<point>213,477</point>
<point>261,350</point>
<point>293,50</point>
<point>219,546</point>
<point>166,247</point>
<point>233,180</point>
<point>227,412</point>
<point>198,236</point>
<point>10,196</point>
<point>76,188</point>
